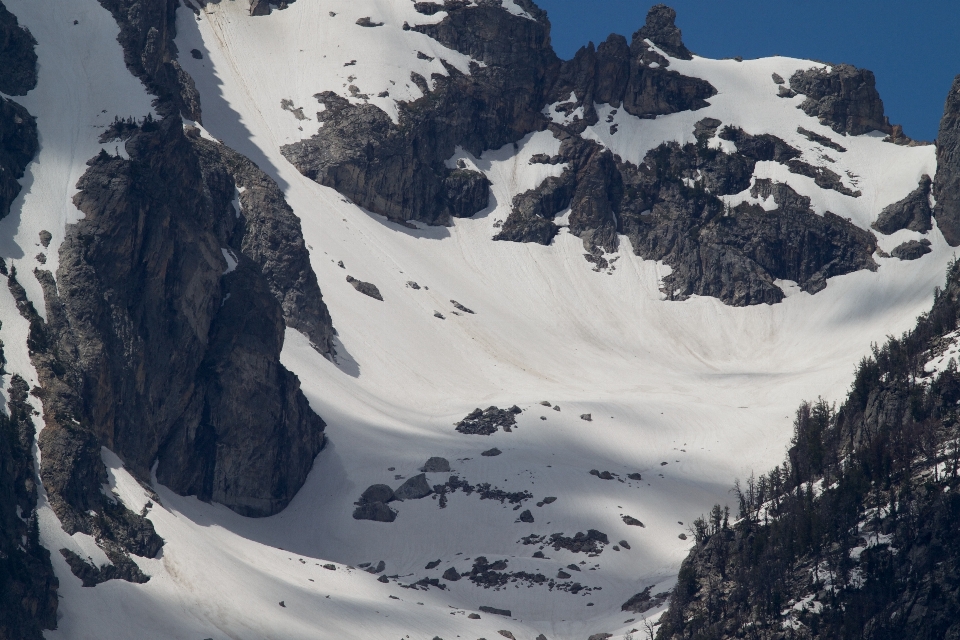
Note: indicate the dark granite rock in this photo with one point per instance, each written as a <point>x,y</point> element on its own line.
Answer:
<point>488,421</point>
<point>821,139</point>
<point>436,465</point>
<point>18,146</point>
<point>495,611</point>
<point>170,355</point>
<point>946,184</point>
<point>822,177</point>
<point>625,76</point>
<point>376,511</point>
<point>451,574</point>
<point>71,467</point>
<point>18,60</point>
<point>376,493</point>
<point>525,516</point>
<point>414,488</point>
<point>591,542</point>
<point>122,568</point>
<point>491,452</point>
<point>273,239</point>
<point>845,98</point>
<point>911,249</point>
<point>633,522</point>
<point>365,288</point>
<point>625,544</point>
<point>28,585</point>
<point>398,170</point>
<point>913,212</point>
<point>147,30</point>
<point>662,31</point>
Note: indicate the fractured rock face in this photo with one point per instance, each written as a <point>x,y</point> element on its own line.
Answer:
<point>946,185</point>
<point>662,31</point>
<point>398,171</point>
<point>18,146</point>
<point>414,488</point>
<point>844,98</point>
<point>18,60</point>
<point>194,378</point>
<point>912,249</point>
<point>913,212</point>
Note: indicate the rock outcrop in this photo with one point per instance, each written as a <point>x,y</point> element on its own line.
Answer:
<point>28,586</point>
<point>398,170</point>
<point>147,30</point>
<point>633,77</point>
<point>168,351</point>
<point>913,212</point>
<point>18,60</point>
<point>273,239</point>
<point>946,184</point>
<point>842,97</point>
<point>669,208</point>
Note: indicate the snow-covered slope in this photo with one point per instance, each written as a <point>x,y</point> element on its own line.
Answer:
<point>688,394</point>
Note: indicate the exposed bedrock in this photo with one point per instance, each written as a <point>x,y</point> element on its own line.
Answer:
<point>166,334</point>
<point>147,30</point>
<point>273,238</point>
<point>844,98</point>
<point>670,210</point>
<point>28,586</point>
<point>946,185</point>
<point>913,212</point>
<point>18,129</point>
<point>634,77</point>
<point>18,60</point>
<point>398,170</point>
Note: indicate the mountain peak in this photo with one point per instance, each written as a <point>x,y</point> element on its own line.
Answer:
<point>661,30</point>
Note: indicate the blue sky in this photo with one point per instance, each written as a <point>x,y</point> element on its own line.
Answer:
<point>912,47</point>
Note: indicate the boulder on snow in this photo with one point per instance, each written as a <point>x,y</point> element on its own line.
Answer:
<point>436,464</point>
<point>365,288</point>
<point>489,453</point>
<point>494,610</point>
<point>586,416</point>
<point>376,511</point>
<point>376,493</point>
<point>911,249</point>
<point>526,516</point>
<point>451,574</point>
<point>633,522</point>
<point>414,488</point>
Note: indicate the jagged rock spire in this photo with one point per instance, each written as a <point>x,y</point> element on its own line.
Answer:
<point>662,31</point>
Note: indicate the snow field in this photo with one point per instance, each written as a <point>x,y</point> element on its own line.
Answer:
<point>658,377</point>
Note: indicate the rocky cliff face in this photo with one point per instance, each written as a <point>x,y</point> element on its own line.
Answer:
<point>843,97</point>
<point>28,587</point>
<point>18,60</point>
<point>169,333</point>
<point>147,29</point>
<point>28,597</point>
<point>397,170</point>
<point>669,206</point>
<point>946,185</point>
